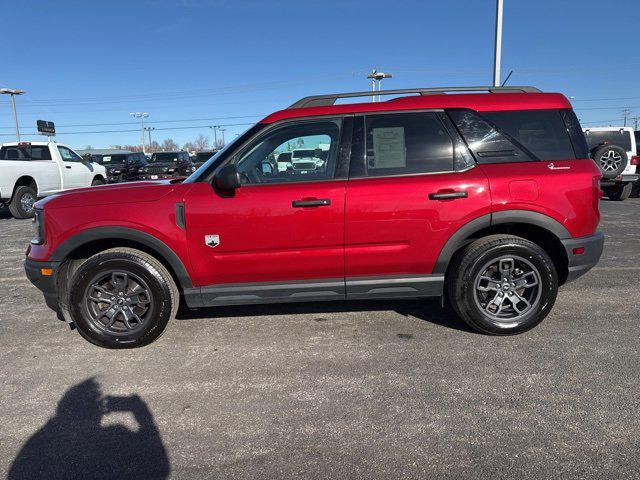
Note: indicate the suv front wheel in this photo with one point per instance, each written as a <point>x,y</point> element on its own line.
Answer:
<point>121,298</point>
<point>502,284</point>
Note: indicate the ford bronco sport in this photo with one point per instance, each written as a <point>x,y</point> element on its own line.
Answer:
<point>488,199</point>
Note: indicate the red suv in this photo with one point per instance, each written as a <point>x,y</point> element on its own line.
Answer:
<point>489,199</point>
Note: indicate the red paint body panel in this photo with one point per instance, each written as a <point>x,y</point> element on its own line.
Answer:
<point>262,237</point>
<point>393,228</point>
<point>484,102</point>
<point>567,193</point>
<point>122,207</point>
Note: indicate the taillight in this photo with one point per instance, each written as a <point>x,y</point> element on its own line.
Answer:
<point>597,192</point>
<point>635,160</point>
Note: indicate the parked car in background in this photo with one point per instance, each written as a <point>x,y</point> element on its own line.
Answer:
<point>123,166</point>
<point>614,151</point>
<point>31,170</point>
<point>489,199</point>
<point>201,157</point>
<point>163,165</point>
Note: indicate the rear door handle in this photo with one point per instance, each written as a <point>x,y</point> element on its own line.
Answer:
<point>448,195</point>
<point>322,202</point>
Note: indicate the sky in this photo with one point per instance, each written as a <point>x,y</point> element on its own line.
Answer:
<point>193,64</point>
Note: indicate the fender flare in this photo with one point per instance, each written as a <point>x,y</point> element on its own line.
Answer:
<point>124,233</point>
<point>459,238</point>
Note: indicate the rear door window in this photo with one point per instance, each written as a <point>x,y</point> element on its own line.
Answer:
<point>541,132</point>
<point>404,144</point>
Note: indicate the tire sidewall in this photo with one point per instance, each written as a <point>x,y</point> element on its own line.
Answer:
<point>548,290</point>
<point>159,290</point>
<point>17,209</point>
<point>623,163</point>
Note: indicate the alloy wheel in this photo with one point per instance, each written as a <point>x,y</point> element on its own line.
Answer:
<point>507,288</point>
<point>27,200</point>
<point>610,161</point>
<point>118,302</point>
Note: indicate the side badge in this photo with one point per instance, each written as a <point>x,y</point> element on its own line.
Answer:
<point>212,240</point>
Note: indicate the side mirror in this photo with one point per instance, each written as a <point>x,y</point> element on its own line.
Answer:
<point>227,178</point>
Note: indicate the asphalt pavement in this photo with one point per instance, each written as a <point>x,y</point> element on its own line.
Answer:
<point>347,390</point>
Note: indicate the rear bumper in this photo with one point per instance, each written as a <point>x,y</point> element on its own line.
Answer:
<point>620,179</point>
<point>45,283</point>
<point>580,263</point>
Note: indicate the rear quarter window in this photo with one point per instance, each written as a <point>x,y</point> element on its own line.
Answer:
<point>541,132</point>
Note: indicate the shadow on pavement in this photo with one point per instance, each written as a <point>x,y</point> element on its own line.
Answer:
<point>74,444</point>
<point>428,310</point>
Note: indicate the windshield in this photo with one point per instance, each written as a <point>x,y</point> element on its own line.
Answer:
<point>303,153</point>
<point>113,159</point>
<point>204,156</point>
<point>163,157</point>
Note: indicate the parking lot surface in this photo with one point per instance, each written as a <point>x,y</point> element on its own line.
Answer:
<point>348,390</point>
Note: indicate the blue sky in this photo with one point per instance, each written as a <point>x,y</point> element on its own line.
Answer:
<point>196,63</point>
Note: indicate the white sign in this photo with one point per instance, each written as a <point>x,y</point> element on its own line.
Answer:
<point>388,148</point>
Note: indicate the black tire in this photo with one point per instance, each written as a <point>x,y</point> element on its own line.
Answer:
<point>97,181</point>
<point>21,205</point>
<point>611,160</point>
<point>111,323</point>
<point>466,276</point>
<point>619,193</point>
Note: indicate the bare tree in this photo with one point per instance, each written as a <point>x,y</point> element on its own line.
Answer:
<point>201,143</point>
<point>169,145</point>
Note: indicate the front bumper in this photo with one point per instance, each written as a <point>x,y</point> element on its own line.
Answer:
<point>45,283</point>
<point>158,176</point>
<point>583,254</point>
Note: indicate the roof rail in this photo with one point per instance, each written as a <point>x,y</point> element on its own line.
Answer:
<point>330,99</point>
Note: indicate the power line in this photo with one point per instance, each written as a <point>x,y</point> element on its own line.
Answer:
<point>137,129</point>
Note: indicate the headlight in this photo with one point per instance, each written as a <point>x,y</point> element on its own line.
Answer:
<point>38,225</point>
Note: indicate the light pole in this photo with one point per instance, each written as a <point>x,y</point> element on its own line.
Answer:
<point>377,76</point>
<point>222,130</point>
<point>497,50</point>
<point>141,116</point>
<point>13,93</point>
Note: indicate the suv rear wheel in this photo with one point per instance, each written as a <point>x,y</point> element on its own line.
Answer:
<point>502,284</point>
<point>21,205</point>
<point>122,298</point>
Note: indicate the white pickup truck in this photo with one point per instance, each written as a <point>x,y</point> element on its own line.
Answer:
<point>30,170</point>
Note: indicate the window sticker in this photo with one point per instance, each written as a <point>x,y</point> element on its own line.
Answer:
<point>388,148</point>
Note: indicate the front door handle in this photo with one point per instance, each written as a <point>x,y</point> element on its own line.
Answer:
<point>68,166</point>
<point>448,195</point>
<point>322,202</point>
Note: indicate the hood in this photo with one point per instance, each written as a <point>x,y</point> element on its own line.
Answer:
<point>110,194</point>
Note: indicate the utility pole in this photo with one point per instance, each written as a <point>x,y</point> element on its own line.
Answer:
<point>141,116</point>
<point>635,123</point>
<point>215,129</point>
<point>497,50</point>
<point>375,75</point>
<point>222,130</point>
<point>13,93</point>
<point>148,129</point>
<point>625,115</point>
